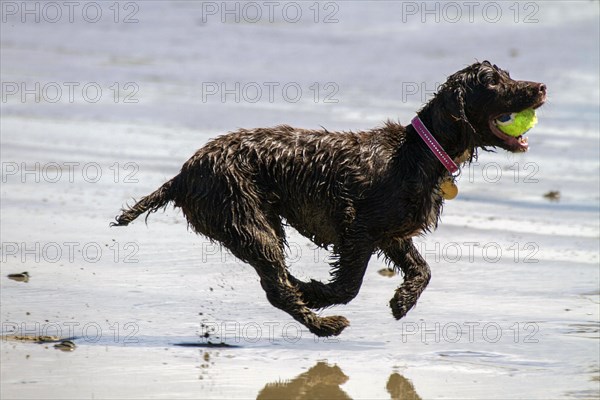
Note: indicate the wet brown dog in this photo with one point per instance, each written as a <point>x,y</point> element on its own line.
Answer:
<point>360,192</point>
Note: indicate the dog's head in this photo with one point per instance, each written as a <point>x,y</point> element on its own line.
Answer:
<point>473,98</point>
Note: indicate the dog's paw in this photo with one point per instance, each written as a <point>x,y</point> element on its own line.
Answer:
<point>329,326</point>
<point>316,295</point>
<point>399,310</point>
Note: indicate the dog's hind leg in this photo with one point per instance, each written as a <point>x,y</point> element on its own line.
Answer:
<point>258,244</point>
<point>405,257</point>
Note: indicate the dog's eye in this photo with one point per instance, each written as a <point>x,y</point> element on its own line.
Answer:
<point>488,77</point>
<point>490,80</point>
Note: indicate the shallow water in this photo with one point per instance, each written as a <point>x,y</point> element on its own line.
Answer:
<point>156,312</point>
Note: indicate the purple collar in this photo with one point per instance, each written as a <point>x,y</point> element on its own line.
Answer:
<point>433,145</point>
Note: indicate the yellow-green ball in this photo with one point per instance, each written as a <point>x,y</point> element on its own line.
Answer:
<point>517,124</point>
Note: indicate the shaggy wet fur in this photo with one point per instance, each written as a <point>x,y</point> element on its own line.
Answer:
<point>357,193</point>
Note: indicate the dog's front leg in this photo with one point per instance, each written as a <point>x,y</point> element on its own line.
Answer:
<point>347,276</point>
<point>405,257</point>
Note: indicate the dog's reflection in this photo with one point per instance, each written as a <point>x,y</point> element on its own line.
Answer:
<point>401,388</point>
<point>320,382</point>
<point>323,382</point>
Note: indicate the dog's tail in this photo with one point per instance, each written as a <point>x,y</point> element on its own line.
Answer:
<point>147,204</point>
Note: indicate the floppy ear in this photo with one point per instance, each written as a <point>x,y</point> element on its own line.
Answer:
<point>456,106</point>
<point>450,119</point>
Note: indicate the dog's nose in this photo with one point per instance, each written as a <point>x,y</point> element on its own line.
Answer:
<point>542,88</point>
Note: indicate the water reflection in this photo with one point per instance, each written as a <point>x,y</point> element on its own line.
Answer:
<point>401,388</point>
<point>320,382</point>
<point>323,381</point>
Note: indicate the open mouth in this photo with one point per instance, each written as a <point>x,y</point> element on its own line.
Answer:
<point>515,143</point>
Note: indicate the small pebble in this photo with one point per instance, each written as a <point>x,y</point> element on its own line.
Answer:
<point>22,277</point>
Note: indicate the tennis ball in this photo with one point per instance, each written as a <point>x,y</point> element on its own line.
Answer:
<point>516,124</point>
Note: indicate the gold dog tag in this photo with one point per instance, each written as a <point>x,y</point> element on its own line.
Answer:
<point>449,189</point>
